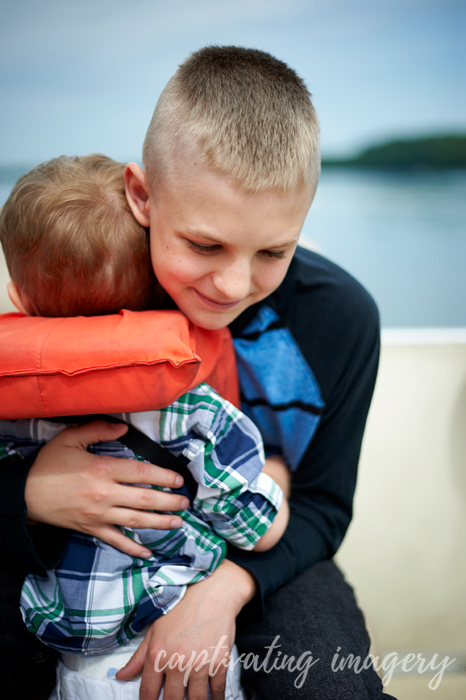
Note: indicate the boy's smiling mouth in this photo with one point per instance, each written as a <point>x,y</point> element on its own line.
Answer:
<point>212,304</point>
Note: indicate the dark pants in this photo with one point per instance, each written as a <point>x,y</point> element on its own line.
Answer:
<point>316,617</point>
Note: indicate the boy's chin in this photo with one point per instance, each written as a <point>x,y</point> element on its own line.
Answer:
<point>213,321</point>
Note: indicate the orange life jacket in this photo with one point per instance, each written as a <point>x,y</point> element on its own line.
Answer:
<point>131,361</point>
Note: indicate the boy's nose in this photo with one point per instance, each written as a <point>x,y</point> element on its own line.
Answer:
<point>234,282</point>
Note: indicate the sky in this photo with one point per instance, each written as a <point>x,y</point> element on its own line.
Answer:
<point>80,76</point>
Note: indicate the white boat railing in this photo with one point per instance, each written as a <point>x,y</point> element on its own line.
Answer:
<point>405,550</point>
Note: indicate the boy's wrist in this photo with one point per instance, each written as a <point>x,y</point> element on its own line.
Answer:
<point>238,586</point>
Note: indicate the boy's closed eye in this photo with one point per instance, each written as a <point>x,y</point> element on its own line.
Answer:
<point>209,249</point>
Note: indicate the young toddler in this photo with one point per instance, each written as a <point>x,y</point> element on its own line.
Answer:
<point>73,248</point>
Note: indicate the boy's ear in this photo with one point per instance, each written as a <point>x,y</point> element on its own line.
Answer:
<point>18,298</point>
<point>137,193</point>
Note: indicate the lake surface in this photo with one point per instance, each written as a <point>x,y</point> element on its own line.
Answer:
<point>402,236</point>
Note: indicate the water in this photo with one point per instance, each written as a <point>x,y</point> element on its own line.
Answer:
<point>402,236</point>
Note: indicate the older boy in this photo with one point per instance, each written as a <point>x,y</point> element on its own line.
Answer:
<point>232,163</point>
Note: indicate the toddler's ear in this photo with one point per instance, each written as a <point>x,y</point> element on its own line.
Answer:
<point>18,298</point>
<point>137,193</point>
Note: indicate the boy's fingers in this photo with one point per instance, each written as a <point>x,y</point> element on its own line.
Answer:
<point>90,433</point>
<point>144,660</point>
<point>136,662</point>
<point>140,520</point>
<point>131,471</point>
<point>112,536</point>
<point>218,684</point>
<point>151,683</point>
<point>175,688</point>
<point>140,498</point>
<point>123,470</point>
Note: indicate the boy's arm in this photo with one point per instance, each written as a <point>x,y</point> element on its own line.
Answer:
<point>22,546</point>
<point>335,324</point>
<point>275,468</point>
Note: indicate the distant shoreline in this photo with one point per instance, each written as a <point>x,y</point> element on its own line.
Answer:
<point>441,152</point>
<point>429,153</point>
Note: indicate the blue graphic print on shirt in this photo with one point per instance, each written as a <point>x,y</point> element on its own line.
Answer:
<point>287,412</point>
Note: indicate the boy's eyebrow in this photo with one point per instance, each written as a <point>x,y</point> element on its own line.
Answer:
<point>287,244</point>
<point>200,232</point>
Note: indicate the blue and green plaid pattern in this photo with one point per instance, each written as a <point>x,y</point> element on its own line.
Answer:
<point>100,597</point>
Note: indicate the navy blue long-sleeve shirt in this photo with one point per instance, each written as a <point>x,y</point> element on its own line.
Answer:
<point>310,398</point>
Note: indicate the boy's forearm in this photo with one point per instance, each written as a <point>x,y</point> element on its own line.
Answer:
<point>276,530</point>
<point>21,547</point>
<point>275,468</point>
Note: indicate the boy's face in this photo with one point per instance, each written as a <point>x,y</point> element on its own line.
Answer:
<point>216,249</point>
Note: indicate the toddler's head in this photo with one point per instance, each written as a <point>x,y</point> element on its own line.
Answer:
<point>71,243</point>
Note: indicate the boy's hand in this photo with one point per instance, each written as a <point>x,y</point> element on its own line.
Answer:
<point>201,626</point>
<point>72,488</point>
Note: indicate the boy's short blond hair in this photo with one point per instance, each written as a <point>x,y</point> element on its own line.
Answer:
<point>71,242</point>
<point>247,113</point>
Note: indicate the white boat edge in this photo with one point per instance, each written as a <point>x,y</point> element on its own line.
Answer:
<point>423,336</point>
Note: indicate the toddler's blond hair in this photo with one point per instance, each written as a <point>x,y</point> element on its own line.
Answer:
<point>71,242</point>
